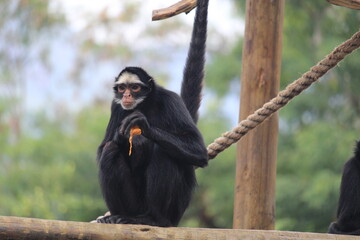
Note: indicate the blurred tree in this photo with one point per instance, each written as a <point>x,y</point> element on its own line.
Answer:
<point>318,129</point>
<point>321,126</point>
<point>22,24</point>
<point>53,175</point>
<point>212,205</point>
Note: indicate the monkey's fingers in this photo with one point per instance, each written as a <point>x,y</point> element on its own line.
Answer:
<point>140,122</point>
<point>129,122</point>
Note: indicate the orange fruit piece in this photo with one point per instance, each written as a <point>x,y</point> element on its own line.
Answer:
<point>133,131</point>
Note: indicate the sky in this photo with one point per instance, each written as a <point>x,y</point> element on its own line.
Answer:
<point>221,13</point>
<point>222,19</point>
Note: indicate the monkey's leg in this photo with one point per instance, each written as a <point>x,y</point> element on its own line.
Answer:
<point>118,185</point>
<point>169,191</point>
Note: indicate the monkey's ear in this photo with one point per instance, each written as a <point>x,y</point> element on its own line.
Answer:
<point>151,83</point>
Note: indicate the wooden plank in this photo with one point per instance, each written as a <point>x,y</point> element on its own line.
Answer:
<point>30,228</point>
<point>254,205</point>
<point>354,4</point>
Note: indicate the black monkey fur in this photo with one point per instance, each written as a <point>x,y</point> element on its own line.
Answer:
<point>348,212</point>
<point>154,185</point>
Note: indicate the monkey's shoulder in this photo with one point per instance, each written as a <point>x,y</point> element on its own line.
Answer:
<point>171,101</point>
<point>171,108</point>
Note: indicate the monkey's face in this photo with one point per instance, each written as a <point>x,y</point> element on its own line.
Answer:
<point>129,91</point>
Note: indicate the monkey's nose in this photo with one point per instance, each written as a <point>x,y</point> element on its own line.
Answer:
<point>127,93</point>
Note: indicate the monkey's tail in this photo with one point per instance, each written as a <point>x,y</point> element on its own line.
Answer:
<point>193,75</point>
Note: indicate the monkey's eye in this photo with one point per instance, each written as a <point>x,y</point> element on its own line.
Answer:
<point>121,88</point>
<point>135,88</point>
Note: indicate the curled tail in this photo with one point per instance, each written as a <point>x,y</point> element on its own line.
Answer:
<point>194,68</point>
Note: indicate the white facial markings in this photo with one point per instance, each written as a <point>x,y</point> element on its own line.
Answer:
<point>129,78</point>
<point>137,102</point>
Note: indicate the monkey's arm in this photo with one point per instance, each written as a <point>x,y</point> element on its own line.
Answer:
<point>186,145</point>
<point>116,138</point>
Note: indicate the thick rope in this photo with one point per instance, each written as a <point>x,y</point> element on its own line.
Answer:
<point>292,90</point>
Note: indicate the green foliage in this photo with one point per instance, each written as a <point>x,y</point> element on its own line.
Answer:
<point>320,126</point>
<point>213,201</point>
<point>225,69</point>
<point>309,166</point>
<point>53,174</point>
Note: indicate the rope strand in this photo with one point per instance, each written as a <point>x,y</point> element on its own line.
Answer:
<point>283,97</point>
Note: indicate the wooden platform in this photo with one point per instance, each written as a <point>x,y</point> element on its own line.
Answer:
<point>31,228</point>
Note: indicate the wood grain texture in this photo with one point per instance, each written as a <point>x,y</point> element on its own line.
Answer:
<point>179,7</point>
<point>354,4</point>
<point>254,205</point>
<point>30,228</point>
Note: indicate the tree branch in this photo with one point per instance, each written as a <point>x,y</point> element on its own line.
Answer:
<point>354,4</point>
<point>180,7</point>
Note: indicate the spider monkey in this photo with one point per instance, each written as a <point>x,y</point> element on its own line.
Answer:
<point>154,185</point>
<point>348,212</point>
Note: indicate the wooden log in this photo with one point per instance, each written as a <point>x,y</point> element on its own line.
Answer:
<point>30,228</point>
<point>254,205</point>
<point>354,4</point>
<point>180,7</point>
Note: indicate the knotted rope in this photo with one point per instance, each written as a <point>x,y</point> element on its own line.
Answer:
<point>292,90</point>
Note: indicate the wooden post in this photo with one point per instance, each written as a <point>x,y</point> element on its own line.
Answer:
<point>254,205</point>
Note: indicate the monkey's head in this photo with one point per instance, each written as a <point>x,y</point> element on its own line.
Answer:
<point>132,86</point>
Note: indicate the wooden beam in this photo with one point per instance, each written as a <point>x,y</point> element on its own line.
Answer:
<point>180,7</point>
<point>354,4</point>
<point>30,228</point>
<point>254,205</point>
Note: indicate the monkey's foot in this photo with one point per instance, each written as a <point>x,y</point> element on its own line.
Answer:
<point>117,219</point>
<point>99,217</point>
<point>112,219</point>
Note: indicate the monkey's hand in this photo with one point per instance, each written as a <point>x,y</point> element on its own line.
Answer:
<point>119,138</point>
<point>135,119</point>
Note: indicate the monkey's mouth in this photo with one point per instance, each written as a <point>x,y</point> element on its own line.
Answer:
<point>127,103</point>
